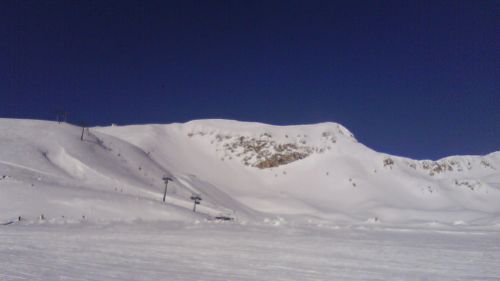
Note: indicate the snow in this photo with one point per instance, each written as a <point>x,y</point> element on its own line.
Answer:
<point>340,211</point>
<point>228,251</point>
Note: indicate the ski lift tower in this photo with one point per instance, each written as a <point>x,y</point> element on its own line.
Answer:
<point>196,200</point>
<point>166,180</point>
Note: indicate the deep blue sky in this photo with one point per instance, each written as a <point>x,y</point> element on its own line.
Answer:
<point>417,79</point>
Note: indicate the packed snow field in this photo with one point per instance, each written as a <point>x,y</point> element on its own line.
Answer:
<point>229,251</point>
<point>276,203</point>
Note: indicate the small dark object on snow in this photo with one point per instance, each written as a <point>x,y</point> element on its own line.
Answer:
<point>223,218</point>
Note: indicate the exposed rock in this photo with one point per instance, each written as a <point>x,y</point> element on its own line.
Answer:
<point>388,162</point>
<point>264,150</point>
<point>280,159</point>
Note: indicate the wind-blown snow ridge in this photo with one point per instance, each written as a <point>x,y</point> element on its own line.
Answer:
<point>244,171</point>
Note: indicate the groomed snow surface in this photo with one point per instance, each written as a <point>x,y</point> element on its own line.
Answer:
<point>228,251</point>
<point>325,208</point>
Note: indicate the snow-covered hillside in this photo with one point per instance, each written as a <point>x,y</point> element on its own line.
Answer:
<point>245,171</point>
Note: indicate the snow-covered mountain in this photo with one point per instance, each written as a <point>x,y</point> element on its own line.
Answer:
<point>244,171</point>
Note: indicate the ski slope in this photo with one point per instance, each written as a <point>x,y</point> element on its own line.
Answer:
<point>303,202</point>
<point>245,171</point>
<point>227,251</point>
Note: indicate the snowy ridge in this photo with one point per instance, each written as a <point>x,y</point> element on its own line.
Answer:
<point>243,171</point>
